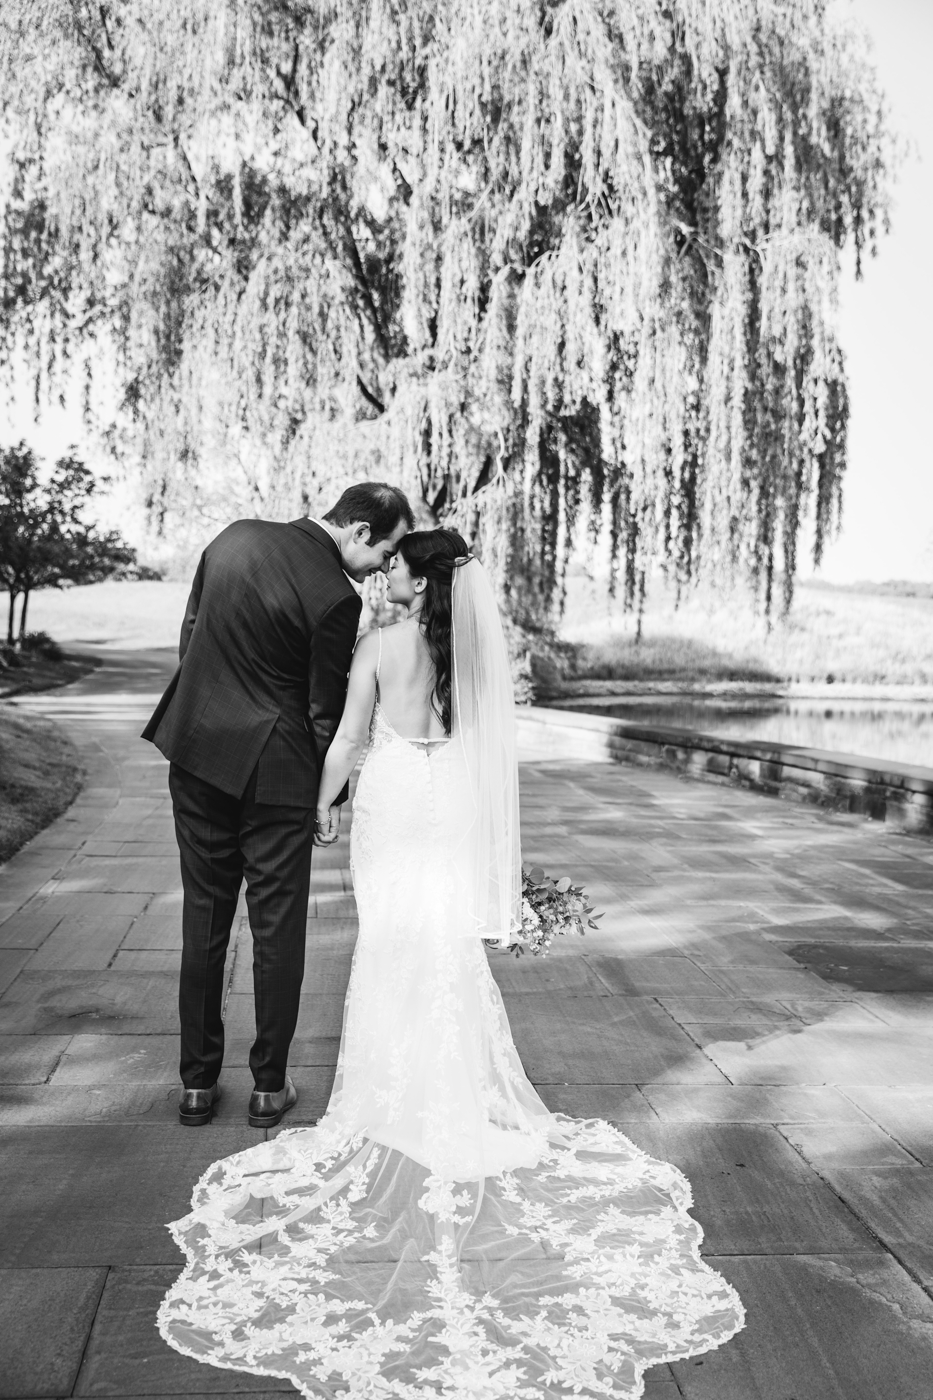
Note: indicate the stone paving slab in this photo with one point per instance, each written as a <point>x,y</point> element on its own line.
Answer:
<point>783,1088</point>
<point>134,1059</point>
<point>909,1010</point>
<point>160,931</point>
<point>828,1327</point>
<point>846,930</point>
<point>54,1105</point>
<point>891,967</point>
<point>93,948</point>
<point>12,962</point>
<point>735,1103</point>
<point>30,1059</point>
<point>53,1003</point>
<point>117,875</point>
<point>126,1355</point>
<point>895,1202</point>
<point>820,1054</point>
<point>83,908</point>
<point>145,960</point>
<point>917,1258</point>
<point>726,1011</point>
<point>753,1192</point>
<point>604,1040</point>
<point>168,903</point>
<point>829,1145</point>
<point>620,1103</point>
<point>769,982</point>
<point>909,874</point>
<point>524,976</point>
<point>45,1318</point>
<point>816,1012</point>
<point>739,949</point>
<point>906,1115</point>
<point>79,1196</point>
<point>653,977</point>
<point>31,926</point>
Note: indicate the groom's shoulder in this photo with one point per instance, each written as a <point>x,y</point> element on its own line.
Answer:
<point>274,540</point>
<point>266,549</point>
<point>243,534</point>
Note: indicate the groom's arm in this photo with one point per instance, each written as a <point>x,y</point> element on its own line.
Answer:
<point>331,653</point>
<point>191,611</point>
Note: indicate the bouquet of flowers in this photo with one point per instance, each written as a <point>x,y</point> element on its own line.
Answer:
<point>550,907</point>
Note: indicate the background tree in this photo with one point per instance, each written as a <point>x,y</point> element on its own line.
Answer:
<point>45,542</point>
<point>551,264</point>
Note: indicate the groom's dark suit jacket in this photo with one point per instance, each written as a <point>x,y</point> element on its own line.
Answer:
<point>265,650</point>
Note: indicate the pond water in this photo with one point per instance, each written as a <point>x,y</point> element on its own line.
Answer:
<point>876,729</point>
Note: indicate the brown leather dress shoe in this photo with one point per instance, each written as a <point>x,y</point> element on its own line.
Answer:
<point>265,1110</point>
<point>196,1106</point>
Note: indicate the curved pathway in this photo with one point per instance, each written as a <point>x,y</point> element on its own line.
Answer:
<point>757,1007</point>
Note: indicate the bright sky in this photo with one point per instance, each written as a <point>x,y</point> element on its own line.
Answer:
<point>887,332</point>
<point>886,328</point>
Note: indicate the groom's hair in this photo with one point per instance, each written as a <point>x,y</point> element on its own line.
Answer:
<point>383,506</point>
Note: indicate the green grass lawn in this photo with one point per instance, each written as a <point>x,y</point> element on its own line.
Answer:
<point>34,673</point>
<point>40,775</point>
<point>130,614</point>
<point>862,635</point>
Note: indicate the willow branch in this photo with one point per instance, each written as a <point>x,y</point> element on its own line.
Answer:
<point>369,396</point>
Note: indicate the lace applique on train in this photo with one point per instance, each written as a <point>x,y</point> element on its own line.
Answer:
<point>439,1233</point>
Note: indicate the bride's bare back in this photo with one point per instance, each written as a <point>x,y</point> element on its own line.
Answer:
<point>394,667</point>
<point>406,682</point>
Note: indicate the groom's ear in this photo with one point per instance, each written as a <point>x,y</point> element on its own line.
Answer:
<point>362,532</point>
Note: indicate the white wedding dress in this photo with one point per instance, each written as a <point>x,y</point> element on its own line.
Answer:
<point>439,1233</point>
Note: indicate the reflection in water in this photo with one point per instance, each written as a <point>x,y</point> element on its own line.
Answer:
<point>875,729</point>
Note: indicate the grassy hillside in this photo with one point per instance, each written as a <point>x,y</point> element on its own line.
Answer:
<point>40,775</point>
<point>865,634</point>
<point>122,614</point>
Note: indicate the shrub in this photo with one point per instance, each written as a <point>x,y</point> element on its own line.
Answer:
<point>41,644</point>
<point>10,660</point>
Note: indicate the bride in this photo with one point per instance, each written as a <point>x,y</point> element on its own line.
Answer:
<point>439,1233</point>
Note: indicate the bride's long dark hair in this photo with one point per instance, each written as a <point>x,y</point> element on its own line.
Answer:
<point>432,555</point>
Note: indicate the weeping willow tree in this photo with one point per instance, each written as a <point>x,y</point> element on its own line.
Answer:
<point>555,266</point>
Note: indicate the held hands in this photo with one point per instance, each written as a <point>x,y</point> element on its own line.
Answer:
<point>326,826</point>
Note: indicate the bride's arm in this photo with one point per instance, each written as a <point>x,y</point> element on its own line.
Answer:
<point>351,736</point>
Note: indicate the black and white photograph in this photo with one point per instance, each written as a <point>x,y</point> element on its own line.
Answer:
<point>466,699</point>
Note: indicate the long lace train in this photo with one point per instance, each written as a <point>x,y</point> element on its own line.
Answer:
<point>439,1233</point>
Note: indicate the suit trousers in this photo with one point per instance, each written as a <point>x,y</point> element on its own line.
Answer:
<point>223,839</point>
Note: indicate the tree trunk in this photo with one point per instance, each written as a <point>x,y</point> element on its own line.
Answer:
<point>22,616</point>
<point>9,625</point>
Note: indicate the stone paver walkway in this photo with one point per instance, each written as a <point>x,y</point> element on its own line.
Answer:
<point>757,1007</point>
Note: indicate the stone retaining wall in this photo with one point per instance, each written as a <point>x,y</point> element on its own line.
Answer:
<point>897,793</point>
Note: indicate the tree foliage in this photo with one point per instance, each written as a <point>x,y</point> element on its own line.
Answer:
<point>45,541</point>
<point>551,264</point>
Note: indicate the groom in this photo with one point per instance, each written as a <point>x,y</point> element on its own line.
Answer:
<point>245,723</point>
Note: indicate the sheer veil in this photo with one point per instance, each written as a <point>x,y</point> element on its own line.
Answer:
<point>483,729</point>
